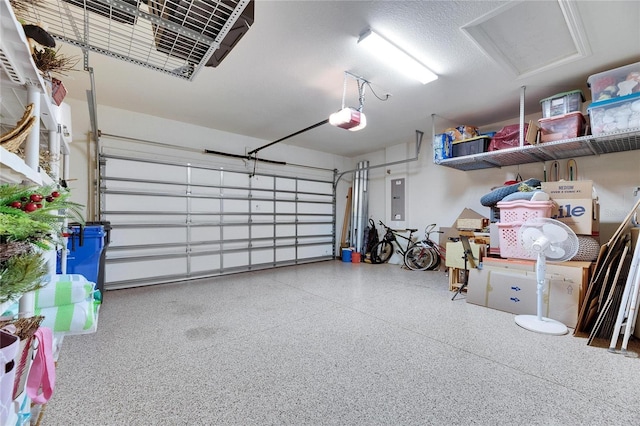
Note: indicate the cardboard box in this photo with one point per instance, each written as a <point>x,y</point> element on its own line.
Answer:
<point>455,254</point>
<point>452,231</point>
<point>472,223</point>
<point>574,205</point>
<point>511,286</point>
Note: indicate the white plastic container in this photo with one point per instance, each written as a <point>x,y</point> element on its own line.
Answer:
<point>615,83</point>
<point>615,115</point>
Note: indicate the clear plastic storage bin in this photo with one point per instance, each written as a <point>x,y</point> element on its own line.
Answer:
<point>615,115</point>
<point>565,126</point>
<point>615,83</point>
<point>562,103</point>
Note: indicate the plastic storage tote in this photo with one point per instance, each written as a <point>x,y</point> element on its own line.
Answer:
<point>565,126</point>
<point>615,115</point>
<point>562,103</point>
<point>471,146</point>
<point>615,83</point>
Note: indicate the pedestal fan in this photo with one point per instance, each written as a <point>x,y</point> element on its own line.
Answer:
<point>548,239</point>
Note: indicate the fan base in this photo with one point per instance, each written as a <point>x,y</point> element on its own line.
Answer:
<point>545,326</point>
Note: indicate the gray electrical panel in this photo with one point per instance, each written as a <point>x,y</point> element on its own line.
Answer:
<point>397,199</point>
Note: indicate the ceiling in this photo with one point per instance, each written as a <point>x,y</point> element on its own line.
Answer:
<point>287,72</point>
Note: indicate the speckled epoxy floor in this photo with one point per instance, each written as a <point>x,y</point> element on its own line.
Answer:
<point>330,343</point>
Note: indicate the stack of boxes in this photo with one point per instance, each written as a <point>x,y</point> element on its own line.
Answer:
<point>615,106</point>
<point>575,205</point>
<point>562,117</point>
<point>616,100</point>
<point>509,284</point>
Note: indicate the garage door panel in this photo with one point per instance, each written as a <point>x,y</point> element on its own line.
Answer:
<point>310,208</point>
<point>210,262</point>
<point>205,233</point>
<point>212,178</point>
<point>144,202</point>
<point>145,269</point>
<point>262,231</point>
<point>123,236</point>
<point>206,205</point>
<point>260,257</point>
<point>144,171</point>
<point>179,221</point>
<point>235,206</point>
<point>310,252</point>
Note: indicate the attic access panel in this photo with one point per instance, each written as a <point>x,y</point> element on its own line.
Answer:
<point>176,37</point>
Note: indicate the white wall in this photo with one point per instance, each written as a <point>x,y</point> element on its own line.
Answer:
<point>434,193</point>
<point>438,194</point>
<point>193,140</point>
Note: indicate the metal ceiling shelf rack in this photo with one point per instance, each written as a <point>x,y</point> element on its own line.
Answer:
<point>175,37</point>
<point>569,148</point>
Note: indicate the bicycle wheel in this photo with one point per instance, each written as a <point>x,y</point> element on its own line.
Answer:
<point>381,252</point>
<point>419,257</point>
<point>436,259</point>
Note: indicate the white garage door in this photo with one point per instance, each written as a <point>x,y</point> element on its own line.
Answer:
<point>172,222</point>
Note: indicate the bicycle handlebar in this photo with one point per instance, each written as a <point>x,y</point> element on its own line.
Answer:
<point>430,229</point>
<point>396,230</point>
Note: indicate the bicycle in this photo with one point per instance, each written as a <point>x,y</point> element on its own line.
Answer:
<point>426,254</point>
<point>382,251</point>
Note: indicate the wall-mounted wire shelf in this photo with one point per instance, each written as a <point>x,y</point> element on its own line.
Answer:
<point>569,148</point>
<point>176,37</point>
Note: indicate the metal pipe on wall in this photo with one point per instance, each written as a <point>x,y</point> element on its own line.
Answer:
<point>419,135</point>
<point>360,205</point>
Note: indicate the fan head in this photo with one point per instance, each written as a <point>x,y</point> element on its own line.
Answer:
<point>549,237</point>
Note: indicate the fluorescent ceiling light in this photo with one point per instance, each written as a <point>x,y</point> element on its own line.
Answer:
<point>395,56</point>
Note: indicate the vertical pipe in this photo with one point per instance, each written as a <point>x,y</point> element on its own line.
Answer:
<point>359,206</point>
<point>188,219</point>
<point>63,251</point>
<point>250,211</point>
<point>522,89</point>
<point>32,147</point>
<point>364,211</point>
<point>355,202</point>
<point>32,157</point>
<point>54,150</point>
<point>222,221</point>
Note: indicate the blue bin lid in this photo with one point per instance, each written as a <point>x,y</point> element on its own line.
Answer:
<point>90,231</point>
<point>613,101</point>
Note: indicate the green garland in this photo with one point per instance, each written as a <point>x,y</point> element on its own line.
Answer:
<point>41,226</point>
<point>20,274</point>
<point>32,215</point>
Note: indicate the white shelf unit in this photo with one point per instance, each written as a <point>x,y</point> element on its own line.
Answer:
<point>548,151</point>
<point>21,84</point>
